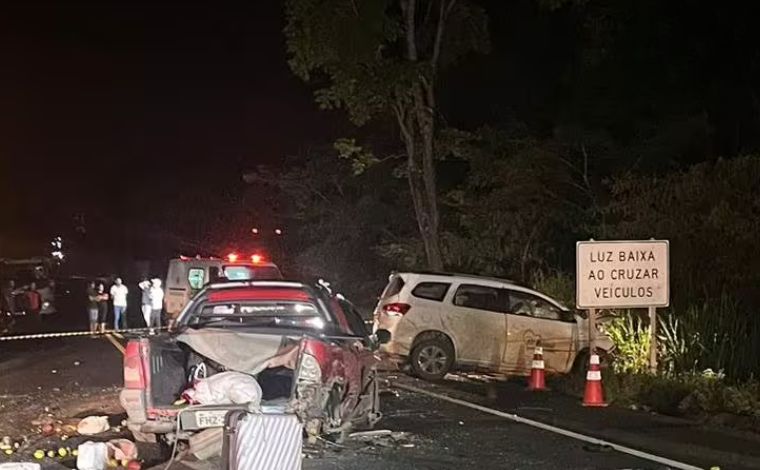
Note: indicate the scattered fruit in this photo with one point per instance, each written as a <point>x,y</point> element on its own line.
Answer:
<point>39,454</point>
<point>47,429</point>
<point>134,465</point>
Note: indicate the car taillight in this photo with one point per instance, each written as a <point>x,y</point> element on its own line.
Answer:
<point>396,308</point>
<point>134,375</point>
<point>309,371</point>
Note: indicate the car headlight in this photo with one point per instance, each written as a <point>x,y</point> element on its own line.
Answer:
<point>310,371</point>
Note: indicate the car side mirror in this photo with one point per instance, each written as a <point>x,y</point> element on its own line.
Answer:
<point>383,336</point>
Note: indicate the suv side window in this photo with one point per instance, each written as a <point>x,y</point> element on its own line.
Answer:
<point>431,290</point>
<point>480,297</point>
<point>395,284</point>
<point>521,303</point>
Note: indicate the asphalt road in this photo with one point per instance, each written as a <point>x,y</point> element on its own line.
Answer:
<point>440,435</point>
<point>69,377</point>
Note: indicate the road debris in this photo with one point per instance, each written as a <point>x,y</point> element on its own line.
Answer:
<point>92,456</point>
<point>19,466</point>
<point>92,425</point>
<point>122,449</point>
<point>383,438</point>
<point>370,434</point>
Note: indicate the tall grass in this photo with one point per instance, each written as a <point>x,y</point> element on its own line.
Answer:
<point>632,341</point>
<point>716,334</point>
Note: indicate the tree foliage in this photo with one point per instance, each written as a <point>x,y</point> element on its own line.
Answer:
<point>381,59</point>
<point>711,215</point>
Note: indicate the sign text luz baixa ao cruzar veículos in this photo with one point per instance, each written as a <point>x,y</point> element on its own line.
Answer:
<point>622,274</point>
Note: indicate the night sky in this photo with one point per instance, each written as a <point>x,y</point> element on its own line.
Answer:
<point>105,105</point>
<point>116,109</point>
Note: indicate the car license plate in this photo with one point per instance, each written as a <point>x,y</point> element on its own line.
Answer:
<point>210,419</point>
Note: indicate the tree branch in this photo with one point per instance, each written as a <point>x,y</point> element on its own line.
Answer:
<point>443,13</point>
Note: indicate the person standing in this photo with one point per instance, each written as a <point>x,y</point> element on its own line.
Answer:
<point>47,294</point>
<point>92,306</point>
<point>119,298</point>
<point>156,303</point>
<point>102,297</point>
<point>33,305</point>
<point>145,303</point>
<point>9,298</point>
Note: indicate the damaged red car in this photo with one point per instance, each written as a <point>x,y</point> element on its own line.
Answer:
<point>265,346</point>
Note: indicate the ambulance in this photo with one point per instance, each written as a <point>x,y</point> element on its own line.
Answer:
<point>187,276</point>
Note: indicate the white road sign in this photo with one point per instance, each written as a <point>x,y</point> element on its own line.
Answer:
<point>622,274</point>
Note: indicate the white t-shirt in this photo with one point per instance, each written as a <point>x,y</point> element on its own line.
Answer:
<point>156,298</point>
<point>119,295</point>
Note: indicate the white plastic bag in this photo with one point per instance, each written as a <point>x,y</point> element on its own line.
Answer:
<point>93,425</point>
<point>226,388</point>
<point>92,456</point>
<point>19,466</point>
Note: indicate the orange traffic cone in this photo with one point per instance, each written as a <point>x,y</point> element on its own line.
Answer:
<point>593,395</point>
<point>537,382</point>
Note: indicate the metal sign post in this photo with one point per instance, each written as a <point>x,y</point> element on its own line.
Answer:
<point>653,339</point>
<point>592,330</point>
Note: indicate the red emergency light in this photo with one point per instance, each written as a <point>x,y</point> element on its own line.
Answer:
<point>256,259</point>
<point>232,257</point>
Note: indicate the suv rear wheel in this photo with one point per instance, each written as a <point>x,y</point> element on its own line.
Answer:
<point>432,357</point>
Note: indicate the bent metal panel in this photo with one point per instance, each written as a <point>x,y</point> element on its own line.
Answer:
<point>622,274</point>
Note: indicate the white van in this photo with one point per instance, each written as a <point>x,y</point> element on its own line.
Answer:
<point>187,276</point>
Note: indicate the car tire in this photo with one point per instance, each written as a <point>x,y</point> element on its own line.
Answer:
<point>432,357</point>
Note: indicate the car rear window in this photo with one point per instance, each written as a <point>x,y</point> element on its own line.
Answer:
<point>264,293</point>
<point>394,286</point>
<point>431,290</point>
<point>264,314</point>
<point>261,309</point>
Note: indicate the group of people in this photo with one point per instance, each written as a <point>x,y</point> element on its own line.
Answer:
<point>152,301</point>
<point>31,299</point>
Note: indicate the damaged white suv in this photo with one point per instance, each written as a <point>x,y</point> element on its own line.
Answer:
<point>439,322</point>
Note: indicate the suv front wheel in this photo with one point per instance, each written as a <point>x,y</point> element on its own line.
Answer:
<point>432,357</point>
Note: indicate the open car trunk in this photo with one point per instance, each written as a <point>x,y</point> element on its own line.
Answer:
<point>177,363</point>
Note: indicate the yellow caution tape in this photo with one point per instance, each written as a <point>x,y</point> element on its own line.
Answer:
<point>77,333</point>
